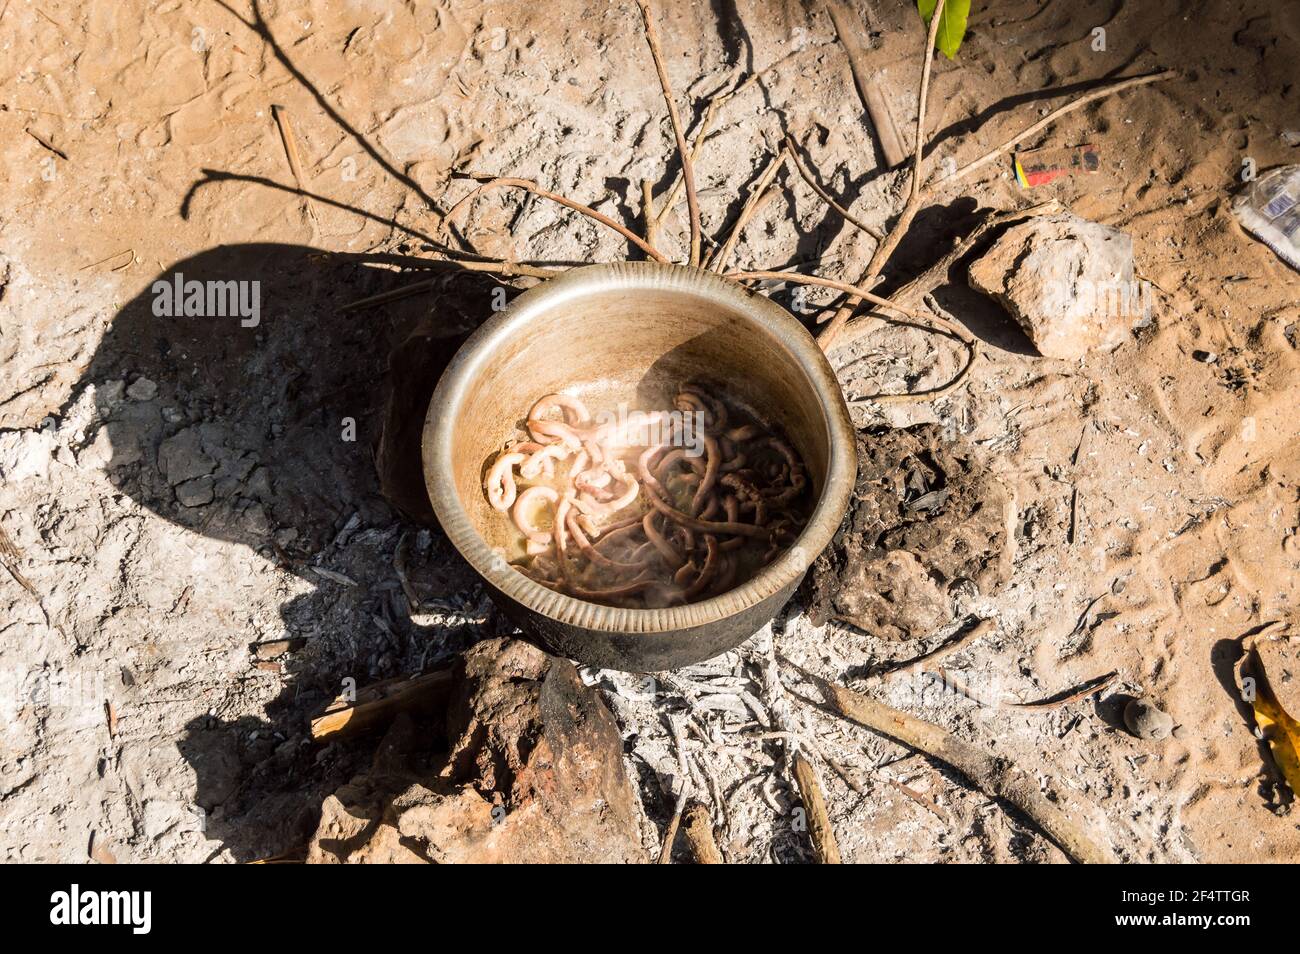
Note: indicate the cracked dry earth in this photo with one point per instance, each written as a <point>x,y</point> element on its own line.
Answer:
<point>201,556</point>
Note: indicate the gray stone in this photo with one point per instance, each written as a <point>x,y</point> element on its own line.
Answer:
<point>112,447</point>
<point>1147,721</point>
<point>196,492</point>
<point>1068,282</point>
<point>259,485</point>
<point>142,389</point>
<point>181,457</point>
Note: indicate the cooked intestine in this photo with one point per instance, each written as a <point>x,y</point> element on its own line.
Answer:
<point>651,509</point>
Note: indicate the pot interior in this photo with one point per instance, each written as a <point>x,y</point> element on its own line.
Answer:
<point>635,346</point>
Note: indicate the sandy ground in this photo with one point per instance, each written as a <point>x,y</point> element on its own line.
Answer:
<point>179,490</point>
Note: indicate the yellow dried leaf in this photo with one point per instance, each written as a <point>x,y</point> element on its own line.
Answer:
<point>1283,735</point>
<point>1276,725</point>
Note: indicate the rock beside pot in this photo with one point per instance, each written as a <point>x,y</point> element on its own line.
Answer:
<point>534,775</point>
<point>1068,283</point>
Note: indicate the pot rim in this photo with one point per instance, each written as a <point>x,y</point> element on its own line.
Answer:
<point>471,361</point>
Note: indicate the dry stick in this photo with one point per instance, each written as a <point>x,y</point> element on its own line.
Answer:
<point>994,776</point>
<point>10,559</point>
<point>886,247</point>
<point>954,330</point>
<point>110,258</point>
<point>826,314</point>
<point>757,196</point>
<point>891,144</point>
<point>1063,698</point>
<point>826,197</point>
<point>855,290</point>
<point>670,836</point>
<point>379,703</point>
<point>688,173</point>
<point>504,269</point>
<point>1093,685</point>
<point>45,143</point>
<point>699,835</point>
<point>763,201</point>
<point>819,823</point>
<point>755,204</point>
<point>960,641</point>
<point>706,125</point>
<point>290,143</point>
<point>1116,87</point>
<point>493,182</point>
<point>648,212</point>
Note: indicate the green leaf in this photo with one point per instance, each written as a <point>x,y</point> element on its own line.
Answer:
<point>952,23</point>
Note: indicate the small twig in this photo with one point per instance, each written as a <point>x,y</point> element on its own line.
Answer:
<point>926,660</point>
<point>670,835</point>
<point>956,684</point>
<point>756,198</point>
<point>706,126</point>
<point>290,144</point>
<point>950,328</point>
<point>1093,685</point>
<point>48,145</point>
<point>379,703</point>
<point>699,835</point>
<point>826,197</point>
<point>1096,684</point>
<point>827,313</point>
<point>648,212</point>
<point>675,727</point>
<point>1116,87</point>
<point>494,182</point>
<point>819,822</point>
<point>797,279</point>
<point>688,173</point>
<point>1072,532</point>
<point>109,258</point>
<point>926,803</point>
<point>10,558</point>
<point>670,201</point>
<point>993,775</point>
<point>504,269</point>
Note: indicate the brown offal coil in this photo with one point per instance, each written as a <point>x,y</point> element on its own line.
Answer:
<point>654,509</point>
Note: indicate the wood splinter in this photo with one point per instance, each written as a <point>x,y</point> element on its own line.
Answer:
<point>819,821</point>
<point>698,826</point>
<point>379,703</point>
